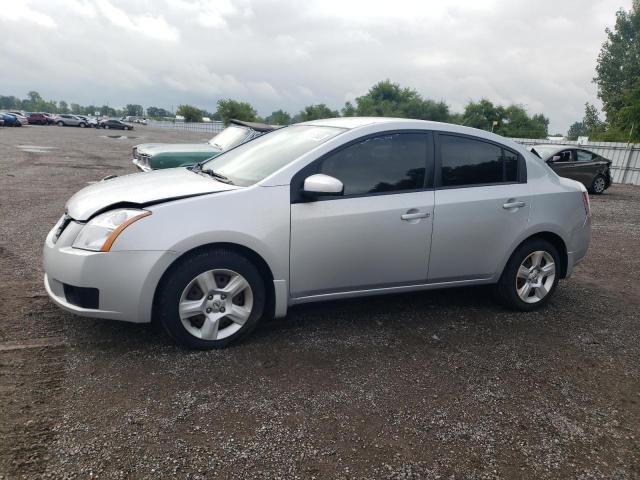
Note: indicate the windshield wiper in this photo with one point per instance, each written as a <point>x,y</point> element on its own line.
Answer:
<point>217,176</point>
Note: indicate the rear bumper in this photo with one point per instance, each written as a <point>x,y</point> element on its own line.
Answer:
<point>578,246</point>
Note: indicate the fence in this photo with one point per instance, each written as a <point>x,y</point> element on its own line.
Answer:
<point>625,157</point>
<point>204,127</point>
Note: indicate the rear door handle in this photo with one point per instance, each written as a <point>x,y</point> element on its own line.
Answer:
<point>413,215</point>
<point>510,205</point>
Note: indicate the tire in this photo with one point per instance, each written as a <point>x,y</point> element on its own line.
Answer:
<point>599,185</point>
<point>106,127</point>
<point>60,124</point>
<point>511,286</point>
<point>82,125</point>
<point>126,128</point>
<point>209,311</point>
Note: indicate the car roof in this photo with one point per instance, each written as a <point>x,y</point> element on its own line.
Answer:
<point>555,148</point>
<point>409,123</point>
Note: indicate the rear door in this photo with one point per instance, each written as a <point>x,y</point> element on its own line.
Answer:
<point>482,204</point>
<point>588,165</point>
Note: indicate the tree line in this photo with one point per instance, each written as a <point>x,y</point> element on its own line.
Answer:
<point>618,81</point>
<point>384,99</point>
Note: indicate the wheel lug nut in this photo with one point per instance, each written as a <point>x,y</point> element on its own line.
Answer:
<point>221,309</point>
<point>210,297</point>
<point>223,296</point>
<point>209,310</point>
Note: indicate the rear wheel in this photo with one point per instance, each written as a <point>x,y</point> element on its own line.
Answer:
<point>82,125</point>
<point>599,185</point>
<point>211,299</point>
<point>530,276</point>
<point>60,124</point>
<point>107,127</point>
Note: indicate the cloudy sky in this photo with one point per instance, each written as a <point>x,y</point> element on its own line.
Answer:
<point>291,53</point>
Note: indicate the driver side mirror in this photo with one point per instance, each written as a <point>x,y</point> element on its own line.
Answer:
<point>554,159</point>
<point>322,185</point>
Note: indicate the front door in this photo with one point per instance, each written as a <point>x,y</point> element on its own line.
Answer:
<point>378,233</point>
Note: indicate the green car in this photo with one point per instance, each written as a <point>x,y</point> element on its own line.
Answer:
<point>155,156</point>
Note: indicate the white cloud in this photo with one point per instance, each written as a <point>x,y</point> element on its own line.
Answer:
<point>148,25</point>
<point>288,54</point>
<point>25,12</point>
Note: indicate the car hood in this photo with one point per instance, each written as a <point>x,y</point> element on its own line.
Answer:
<point>141,189</point>
<point>152,149</point>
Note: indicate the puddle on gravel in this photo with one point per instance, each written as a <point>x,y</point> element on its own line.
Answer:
<point>35,148</point>
<point>119,137</point>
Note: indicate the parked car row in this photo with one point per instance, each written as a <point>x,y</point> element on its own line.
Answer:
<point>18,119</point>
<point>325,209</point>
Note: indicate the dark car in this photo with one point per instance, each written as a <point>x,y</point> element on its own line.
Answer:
<point>114,124</point>
<point>37,119</point>
<point>588,168</point>
<point>10,120</point>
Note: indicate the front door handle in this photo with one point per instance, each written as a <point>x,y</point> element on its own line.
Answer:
<point>510,205</point>
<point>414,215</point>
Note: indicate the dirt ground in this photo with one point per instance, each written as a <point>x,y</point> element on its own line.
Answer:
<point>444,384</point>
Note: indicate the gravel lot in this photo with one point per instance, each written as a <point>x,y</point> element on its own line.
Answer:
<point>444,384</point>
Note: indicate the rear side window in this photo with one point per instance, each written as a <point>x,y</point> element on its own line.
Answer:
<point>466,161</point>
<point>388,163</point>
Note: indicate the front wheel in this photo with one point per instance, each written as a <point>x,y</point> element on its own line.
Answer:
<point>60,124</point>
<point>530,276</point>
<point>211,299</point>
<point>82,125</point>
<point>599,185</point>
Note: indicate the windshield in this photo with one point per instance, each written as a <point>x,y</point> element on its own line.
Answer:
<point>229,137</point>
<point>543,151</point>
<point>251,162</point>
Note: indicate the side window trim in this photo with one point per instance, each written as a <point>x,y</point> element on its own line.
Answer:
<point>522,164</point>
<point>298,179</point>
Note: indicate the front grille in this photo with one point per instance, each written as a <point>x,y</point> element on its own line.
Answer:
<point>81,296</point>
<point>143,159</point>
<point>135,152</point>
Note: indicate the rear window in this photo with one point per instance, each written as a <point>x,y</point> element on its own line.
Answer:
<point>467,161</point>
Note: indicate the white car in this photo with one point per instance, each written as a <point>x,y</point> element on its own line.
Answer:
<point>321,210</point>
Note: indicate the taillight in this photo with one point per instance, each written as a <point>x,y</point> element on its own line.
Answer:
<point>587,204</point>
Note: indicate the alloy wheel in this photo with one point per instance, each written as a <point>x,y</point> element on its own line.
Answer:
<point>535,276</point>
<point>599,185</point>
<point>215,304</point>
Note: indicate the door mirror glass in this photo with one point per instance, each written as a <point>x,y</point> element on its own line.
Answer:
<point>555,158</point>
<point>320,184</point>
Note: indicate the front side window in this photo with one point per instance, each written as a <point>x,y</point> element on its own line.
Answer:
<point>387,163</point>
<point>466,161</point>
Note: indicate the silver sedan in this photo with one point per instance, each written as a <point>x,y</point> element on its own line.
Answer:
<point>320,210</point>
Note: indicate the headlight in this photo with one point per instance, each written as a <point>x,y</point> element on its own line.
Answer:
<point>99,234</point>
